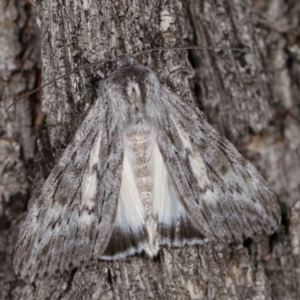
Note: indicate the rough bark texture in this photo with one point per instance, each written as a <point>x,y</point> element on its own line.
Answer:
<point>252,99</point>
<point>19,73</point>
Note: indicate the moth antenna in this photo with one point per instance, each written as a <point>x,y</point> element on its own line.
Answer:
<point>136,54</point>
<point>193,47</point>
<point>60,77</point>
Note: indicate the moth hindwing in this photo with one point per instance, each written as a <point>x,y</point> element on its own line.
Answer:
<point>144,169</point>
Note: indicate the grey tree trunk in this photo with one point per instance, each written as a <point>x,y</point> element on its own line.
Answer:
<point>252,99</point>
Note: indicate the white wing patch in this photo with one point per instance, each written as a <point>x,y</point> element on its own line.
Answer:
<point>129,234</point>
<point>130,213</point>
<point>166,206</point>
<point>175,228</point>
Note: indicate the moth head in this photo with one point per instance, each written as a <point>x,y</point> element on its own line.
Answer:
<point>124,60</point>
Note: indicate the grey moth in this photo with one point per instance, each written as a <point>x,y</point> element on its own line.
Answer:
<point>143,170</point>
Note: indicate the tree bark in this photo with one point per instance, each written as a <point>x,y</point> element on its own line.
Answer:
<point>19,73</point>
<point>252,99</point>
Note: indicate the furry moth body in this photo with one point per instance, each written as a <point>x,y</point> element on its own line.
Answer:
<point>143,170</point>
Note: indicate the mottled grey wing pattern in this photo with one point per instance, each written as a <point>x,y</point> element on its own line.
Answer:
<point>224,196</point>
<point>71,220</point>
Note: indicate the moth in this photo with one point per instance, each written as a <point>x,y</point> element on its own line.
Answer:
<point>143,170</point>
